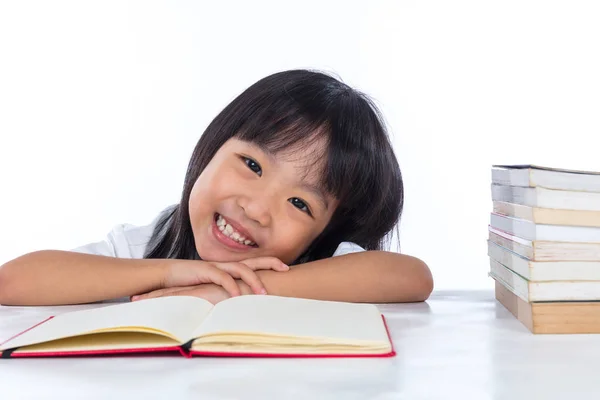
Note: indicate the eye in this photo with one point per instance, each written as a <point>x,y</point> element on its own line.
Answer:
<point>301,205</point>
<point>253,165</point>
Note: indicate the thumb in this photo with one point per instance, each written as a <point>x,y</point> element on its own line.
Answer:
<point>273,263</point>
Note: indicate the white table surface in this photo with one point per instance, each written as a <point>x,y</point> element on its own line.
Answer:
<point>461,345</point>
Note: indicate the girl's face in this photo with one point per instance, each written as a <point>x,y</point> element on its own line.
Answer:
<point>248,203</point>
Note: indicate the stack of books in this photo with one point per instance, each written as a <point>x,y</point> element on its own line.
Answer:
<point>544,247</point>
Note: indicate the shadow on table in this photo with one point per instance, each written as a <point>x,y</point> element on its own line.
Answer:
<point>214,378</point>
<point>421,307</point>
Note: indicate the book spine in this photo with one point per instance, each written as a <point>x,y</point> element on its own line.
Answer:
<point>510,260</point>
<point>185,349</point>
<point>7,353</point>
<point>514,194</point>
<point>514,210</point>
<point>513,226</point>
<point>511,280</point>
<point>516,247</point>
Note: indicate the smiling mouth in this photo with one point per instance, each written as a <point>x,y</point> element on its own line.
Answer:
<point>231,233</point>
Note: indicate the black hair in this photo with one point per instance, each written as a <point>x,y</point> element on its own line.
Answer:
<point>288,110</point>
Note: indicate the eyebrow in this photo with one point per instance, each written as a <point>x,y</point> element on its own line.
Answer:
<point>309,187</point>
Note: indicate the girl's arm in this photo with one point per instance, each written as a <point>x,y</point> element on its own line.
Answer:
<point>52,277</point>
<point>364,277</point>
<point>369,276</point>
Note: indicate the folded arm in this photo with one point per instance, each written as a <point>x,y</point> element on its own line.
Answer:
<point>370,276</point>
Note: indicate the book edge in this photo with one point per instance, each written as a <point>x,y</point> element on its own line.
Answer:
<point>543,168</point>
<point>392,353</point>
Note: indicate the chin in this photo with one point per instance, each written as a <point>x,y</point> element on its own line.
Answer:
<point>218,255</point>
<point>211,254</point>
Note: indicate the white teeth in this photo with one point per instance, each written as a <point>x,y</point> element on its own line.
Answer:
<point>230,232</point>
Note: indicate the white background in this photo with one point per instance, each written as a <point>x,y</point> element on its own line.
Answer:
<point>101,104</point>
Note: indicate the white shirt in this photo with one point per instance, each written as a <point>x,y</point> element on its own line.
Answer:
<point>130,241</point>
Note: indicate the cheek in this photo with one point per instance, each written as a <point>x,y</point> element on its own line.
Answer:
<point>292,239</point>
<point>201,202</point>
<point>215,184</point>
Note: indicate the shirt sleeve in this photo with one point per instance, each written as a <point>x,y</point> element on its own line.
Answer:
<point>123,241</point>
<point>347,248</point>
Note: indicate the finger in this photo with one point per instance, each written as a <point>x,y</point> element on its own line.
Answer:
<point>225,280</point>
<point>273,263</point>
<point>243,272</point>
<point>160,293</point>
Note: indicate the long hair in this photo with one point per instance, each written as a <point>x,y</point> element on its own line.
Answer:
<point>287,110</point>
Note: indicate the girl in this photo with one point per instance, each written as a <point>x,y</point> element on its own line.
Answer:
<point>297,170</point>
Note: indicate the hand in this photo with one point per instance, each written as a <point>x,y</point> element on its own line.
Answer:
<point>211,292</point>
<point>185,273</point>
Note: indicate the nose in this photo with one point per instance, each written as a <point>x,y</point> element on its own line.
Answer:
<point>257,207</point>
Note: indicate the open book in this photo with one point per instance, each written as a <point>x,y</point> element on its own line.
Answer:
<point>251,326</point>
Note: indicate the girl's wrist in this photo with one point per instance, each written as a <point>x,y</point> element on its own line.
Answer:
<point>265,277</point>
<point>169,271</point>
